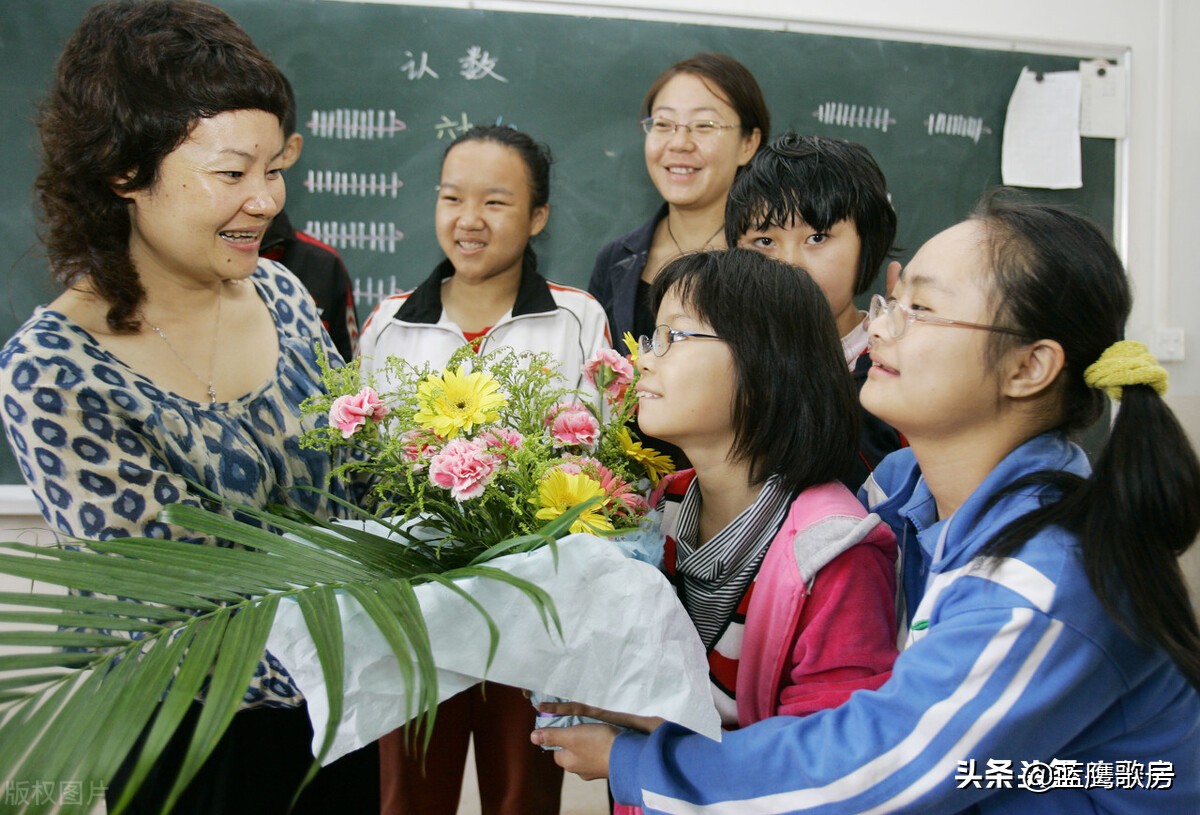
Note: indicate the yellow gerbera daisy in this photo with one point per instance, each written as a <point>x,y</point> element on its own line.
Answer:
<point>561,491</point>
<point>657,464</point>
<point>455,402</point>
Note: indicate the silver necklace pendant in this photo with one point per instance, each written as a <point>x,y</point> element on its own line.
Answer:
<point>207,383</point>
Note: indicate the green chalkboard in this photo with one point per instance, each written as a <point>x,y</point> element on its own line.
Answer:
<point>382,89</point>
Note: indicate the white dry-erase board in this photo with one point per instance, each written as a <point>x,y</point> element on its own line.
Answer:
<point>382,89</point>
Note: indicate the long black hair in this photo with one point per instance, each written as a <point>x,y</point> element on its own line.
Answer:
<point>1140,508</point>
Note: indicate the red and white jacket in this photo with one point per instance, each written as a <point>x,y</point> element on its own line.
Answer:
<point>567,322</point>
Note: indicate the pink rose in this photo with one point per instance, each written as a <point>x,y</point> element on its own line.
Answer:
<point>463,467</point>
<point>349,413</point>
<point>609,372</point>
<point>574,425</point>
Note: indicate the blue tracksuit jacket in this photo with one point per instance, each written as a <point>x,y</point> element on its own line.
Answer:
<point>1016,693</point>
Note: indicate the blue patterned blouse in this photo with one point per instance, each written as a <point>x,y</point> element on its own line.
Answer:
<point>103,448</point>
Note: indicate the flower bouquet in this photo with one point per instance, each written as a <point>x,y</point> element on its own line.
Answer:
<point>489,448</point>
<point>471,461</point>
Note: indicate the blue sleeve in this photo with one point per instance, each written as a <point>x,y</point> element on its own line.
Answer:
<point>989,683</point>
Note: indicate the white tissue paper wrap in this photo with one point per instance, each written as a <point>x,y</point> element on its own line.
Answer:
<point>627,645</point>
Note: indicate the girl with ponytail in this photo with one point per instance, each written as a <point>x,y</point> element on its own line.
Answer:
<point>1050,645</point>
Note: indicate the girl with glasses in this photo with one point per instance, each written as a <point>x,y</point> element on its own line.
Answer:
<point>703,118</point>
<point>1051,647</point>
<point>789,581</point>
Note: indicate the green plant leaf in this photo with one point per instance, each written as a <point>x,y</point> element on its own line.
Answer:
<point>324,621</point>
<point>240,649</point>
<point>393,606</point>
<point>200,644</point>
<point>202,615</point>
<point>92,605</point>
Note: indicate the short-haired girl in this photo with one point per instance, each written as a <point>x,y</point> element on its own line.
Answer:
<point>790,583</point>
<point>822,204</point>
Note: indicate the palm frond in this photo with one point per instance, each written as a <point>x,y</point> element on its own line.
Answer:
<point>91,675</point>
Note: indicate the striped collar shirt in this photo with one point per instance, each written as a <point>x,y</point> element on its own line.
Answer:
<point>713,577</point>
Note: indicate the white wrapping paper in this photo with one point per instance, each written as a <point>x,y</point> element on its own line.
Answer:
<point>627,645</point>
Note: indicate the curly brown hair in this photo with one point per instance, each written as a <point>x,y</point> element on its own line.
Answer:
<point>131,84</point>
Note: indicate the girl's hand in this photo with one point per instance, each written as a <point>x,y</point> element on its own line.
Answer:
<point>645,724</point>
<point>582,749</point>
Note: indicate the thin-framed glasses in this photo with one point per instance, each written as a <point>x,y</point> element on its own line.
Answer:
<point>899,318</point>
<point>664,336</point>
<point>699,129</point>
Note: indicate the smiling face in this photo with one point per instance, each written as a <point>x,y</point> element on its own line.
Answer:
<point>484,216</point>
<point>686,396</point>
<point>204,216</point>
<point>690,172</point>
<point>830,257</point>
<point>934,382</point>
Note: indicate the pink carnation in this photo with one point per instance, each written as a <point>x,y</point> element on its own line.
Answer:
<point>418,446</point>
<point>349,413</point>
<point>609,372</point>
<point>573,465</point>
<point>636,504</point>
<point>554,411</point>
<point>574,425</point>
<point>501,439</point>
<point>463,467</point>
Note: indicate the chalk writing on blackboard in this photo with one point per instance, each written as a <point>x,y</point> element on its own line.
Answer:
<point>370,290</point>
<point>354,124</point>
<point>450,129</point>
<point>415,71</point>
<point>361,184</point>
<point>374,237</point>
<point>478,64</point>
<point>844,115</point>
<point>954,124</point>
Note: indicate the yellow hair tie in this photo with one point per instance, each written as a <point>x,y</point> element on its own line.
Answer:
<point>1126,363</point>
